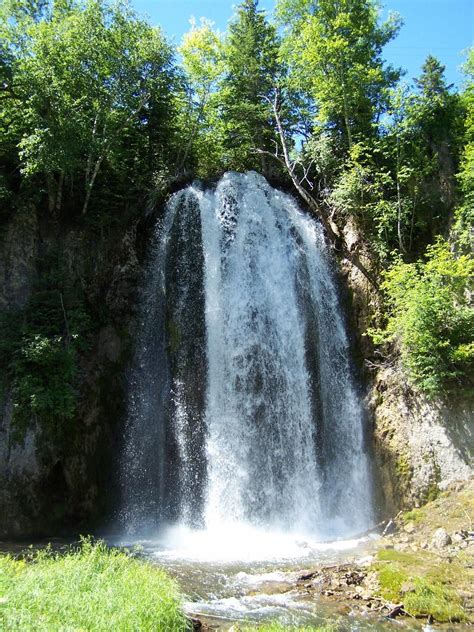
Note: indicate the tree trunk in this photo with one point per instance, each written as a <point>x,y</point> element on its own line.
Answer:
<point>90,184</point>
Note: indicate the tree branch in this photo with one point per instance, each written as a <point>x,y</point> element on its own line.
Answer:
<point>332,231</point>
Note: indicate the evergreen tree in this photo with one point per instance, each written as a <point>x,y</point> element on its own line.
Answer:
<point>252,73</point>
<point>464,216</point>
<point>432,83</point>
<point>435,121</point>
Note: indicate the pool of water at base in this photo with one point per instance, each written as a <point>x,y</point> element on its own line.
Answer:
<point>251,578</point>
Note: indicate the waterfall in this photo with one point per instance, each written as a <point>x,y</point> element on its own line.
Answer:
<point>243,407</point>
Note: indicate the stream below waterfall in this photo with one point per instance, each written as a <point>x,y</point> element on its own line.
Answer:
<point>252,577</point>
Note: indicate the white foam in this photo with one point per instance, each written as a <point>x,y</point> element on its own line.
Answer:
<point>238,543</point>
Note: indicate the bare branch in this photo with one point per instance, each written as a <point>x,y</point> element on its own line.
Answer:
<point>332,231</point>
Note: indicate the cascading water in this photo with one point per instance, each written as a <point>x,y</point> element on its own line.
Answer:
<point>243,409</point>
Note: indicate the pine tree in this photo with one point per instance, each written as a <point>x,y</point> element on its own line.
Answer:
<point>432,83</point>
<point>252,73</point>
<point>435,120</point>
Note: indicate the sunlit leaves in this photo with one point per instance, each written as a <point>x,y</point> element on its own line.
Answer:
<point>430,319</point>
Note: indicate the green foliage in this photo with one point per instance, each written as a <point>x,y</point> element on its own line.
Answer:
<point>97,88</point>
<point>400,184</point>
<point>90,588</point>
<point>251,76</point>
<point>39,352</point>
<point>334,49</point>
<point>44,373</point>
<point>414,515</point>
<point>202,52</point>
<point>422,583</point>
<point>430,318</point>
<point>232,83</point>
<point>464,216</point>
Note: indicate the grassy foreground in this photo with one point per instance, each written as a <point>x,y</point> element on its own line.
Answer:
<point>431,581</point>
<point>90,588</point>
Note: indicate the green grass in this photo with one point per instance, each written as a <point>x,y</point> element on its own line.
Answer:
<point>90,588</point>
<point>415,515</point>
<point>422,582</point>
<point>435,599</point>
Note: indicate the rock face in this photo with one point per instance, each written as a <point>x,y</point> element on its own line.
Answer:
<point>420,446</point>
<point>19,243</point>
<point>46,486</point>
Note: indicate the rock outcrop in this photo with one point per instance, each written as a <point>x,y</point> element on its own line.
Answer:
<point>420,446</point>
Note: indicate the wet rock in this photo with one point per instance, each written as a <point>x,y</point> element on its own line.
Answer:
<point>409,528</point>
<point>109,345</point>
<point>396,611</point>
<point>353,578</point>
<point>441,538</point>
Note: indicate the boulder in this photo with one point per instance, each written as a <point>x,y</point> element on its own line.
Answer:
<point>441,539</point>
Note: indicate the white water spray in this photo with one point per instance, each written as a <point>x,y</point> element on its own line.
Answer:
<point>249,309</point>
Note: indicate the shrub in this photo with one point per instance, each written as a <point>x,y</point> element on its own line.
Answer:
<point>40,346</point>
<point>430,318</point>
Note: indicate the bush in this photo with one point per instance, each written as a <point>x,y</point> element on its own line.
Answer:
<point>430,318</point>
<point>89,588</point>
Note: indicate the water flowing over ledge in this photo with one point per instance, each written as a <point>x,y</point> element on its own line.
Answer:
<point>243,415</point>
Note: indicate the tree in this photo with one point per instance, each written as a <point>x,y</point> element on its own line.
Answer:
<point>464,215</point>
<point>96,86</point>
<point>334,48</point>
<point>202,52</point>
<point>434,118</point>
<point>252,72</point>
<point>431,83</point>
<point>430,320</point>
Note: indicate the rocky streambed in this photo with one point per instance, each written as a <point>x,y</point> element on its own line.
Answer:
<point>419,573</point>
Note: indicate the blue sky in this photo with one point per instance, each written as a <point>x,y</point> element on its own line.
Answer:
<point>443,28</point>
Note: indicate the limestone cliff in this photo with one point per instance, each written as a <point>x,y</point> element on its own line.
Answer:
<point>420,445</point>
